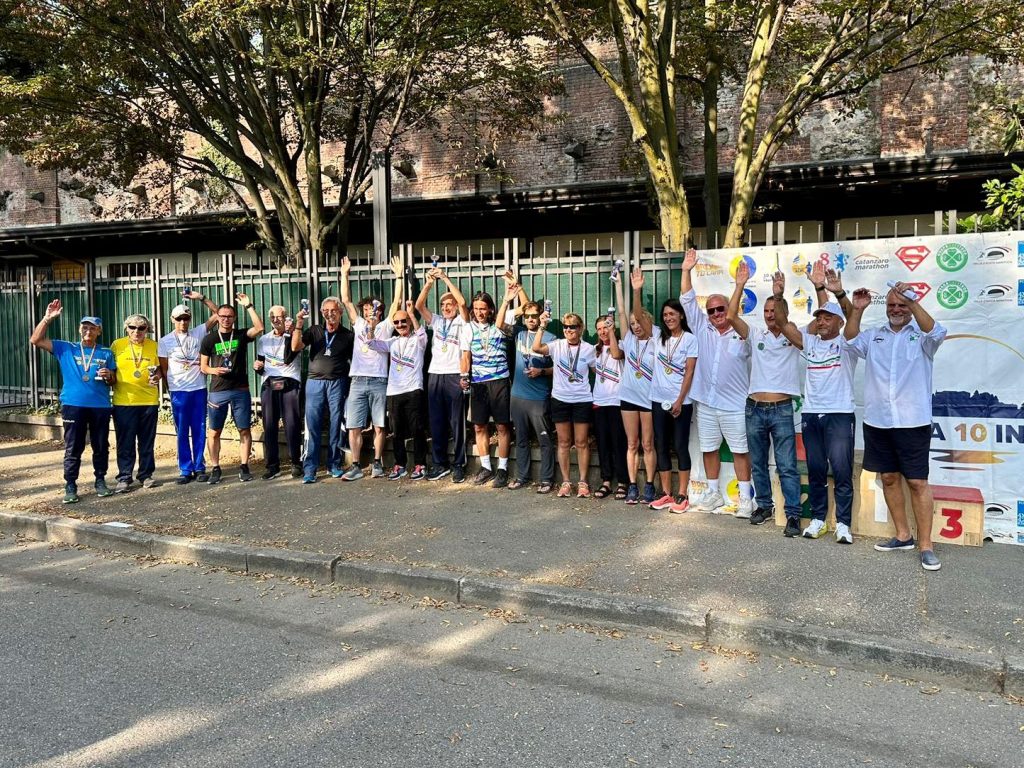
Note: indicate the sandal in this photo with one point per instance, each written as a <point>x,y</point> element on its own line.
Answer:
<point>620,492</point>
<point>564,490</point>
<point>603,491</point>
<point>582,490</point>
<point>516,484</point>
<point>545,487</point>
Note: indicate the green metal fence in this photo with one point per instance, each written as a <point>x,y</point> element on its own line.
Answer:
<point>573,276</point>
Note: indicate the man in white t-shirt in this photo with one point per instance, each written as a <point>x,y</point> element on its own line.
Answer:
<point>774,382</point>
<point>899,357</point>
<point>367,397</point>
<point>446,403</point>
<point>827,420</point>
<point>178,353</point>
<point>720,385</point>
<point>279,395</point>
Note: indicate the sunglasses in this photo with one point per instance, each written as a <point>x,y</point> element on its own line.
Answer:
<point>183,319</point>
<point>571,327</point>
<point>715,310</point>
<point>137,327</point>
<point>532,316</point>
<point>401,322</point>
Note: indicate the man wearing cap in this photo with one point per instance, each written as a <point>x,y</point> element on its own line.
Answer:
<point>827,421</point>
<point>87,371</point>
<point>178,352</point>
<point>899,356</point>
<point>222,357</point>
<point>281,368</point>
<point>330,357</point>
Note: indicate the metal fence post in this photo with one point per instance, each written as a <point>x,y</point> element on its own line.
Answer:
<point>313,281</point>
<point>33,353</point>
<point>156,298</point>
<point>228,271</point>
<point>90,286</point>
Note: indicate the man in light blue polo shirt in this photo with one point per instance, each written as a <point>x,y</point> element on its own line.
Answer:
<point>87,371</point>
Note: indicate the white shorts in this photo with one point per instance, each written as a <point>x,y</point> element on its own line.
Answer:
<point>714,424</point>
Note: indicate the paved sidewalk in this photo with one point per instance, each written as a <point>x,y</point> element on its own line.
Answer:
<point>692,561</point>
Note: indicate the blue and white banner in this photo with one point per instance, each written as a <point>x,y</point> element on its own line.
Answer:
<point>974,285</point>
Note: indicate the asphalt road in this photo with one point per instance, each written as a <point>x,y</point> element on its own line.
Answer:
<point>112,661</point>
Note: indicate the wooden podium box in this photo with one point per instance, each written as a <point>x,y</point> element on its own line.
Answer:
<point>958,517</point>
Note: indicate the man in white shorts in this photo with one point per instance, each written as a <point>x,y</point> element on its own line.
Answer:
<point>720,386</point>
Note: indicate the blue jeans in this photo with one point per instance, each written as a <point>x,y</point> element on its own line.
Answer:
<point>828,440</point>
<point>320,395</point>
<point>189,412</point>
<point>773,423</point>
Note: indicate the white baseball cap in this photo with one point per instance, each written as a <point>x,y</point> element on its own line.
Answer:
<point>832,308</point>
<point>180,310</point>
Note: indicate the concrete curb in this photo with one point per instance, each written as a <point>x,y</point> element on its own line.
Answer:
<point>966,669</point>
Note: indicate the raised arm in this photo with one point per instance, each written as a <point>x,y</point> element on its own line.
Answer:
<point>834,283</point>
<point>539,346</point>
<point>410,310</point>
<point>620,303</point>
<point>817,279</point>
<point>38,337</point>
<point>511,292</point>
<point>733,312</point>
<point>788,328</point>
<point>399,299</point>
<point>453,289</point>
<point>643,318</point>
<point>257,322</point>
<point>346,295</point>
<point>613,345</point>
<point>685,279</point>
<point>421,300</point>
<point>861,300</point>
<point>924,320</point>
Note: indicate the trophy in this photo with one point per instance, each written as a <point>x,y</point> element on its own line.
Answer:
<point>610,316</point>
<point>152,369</point>
<point>186,291</point>
<point>616,270</point>
<point>304,304</point>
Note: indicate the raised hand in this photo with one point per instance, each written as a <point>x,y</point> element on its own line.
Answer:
<point>833,281</point>
<point>396,266</point>
<point>690,259</point>
<point>861,298</point>
<point>778,284</point>
<point>53,309</point>
<point>243,299</point>
<point>434,274</point>
<point>742,272</point>
<point>346,265</point>
<point>509,277</point>
<point>817,275</point>
<point>636,278</point>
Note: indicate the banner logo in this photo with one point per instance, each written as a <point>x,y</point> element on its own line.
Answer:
<point>923,289</point>
<point>952,294</point>
<point>951,257</point>
<point>912,255</point>
<point>870,261</point>
<point>995,292</point>
<point>996,254</point>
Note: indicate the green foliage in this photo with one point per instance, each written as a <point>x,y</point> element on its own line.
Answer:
<point>1005,203</point>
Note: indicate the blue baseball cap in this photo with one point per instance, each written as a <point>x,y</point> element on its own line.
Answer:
<point>91,320</point>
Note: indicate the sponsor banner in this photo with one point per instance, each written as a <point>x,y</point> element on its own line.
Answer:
<point>974,285</point>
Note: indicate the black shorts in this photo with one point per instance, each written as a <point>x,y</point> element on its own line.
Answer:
<point>577,413</point>
<point>624,406</point>
<point>490,400</point>
<point>903,450</point>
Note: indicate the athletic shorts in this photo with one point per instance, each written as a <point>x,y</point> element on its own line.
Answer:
<point>491,400</point>
<point>576,413</point>
<point>715,425</point>
<point>624,406</point>
<point>902,449</point>
<point>367,402</point>
<point>217,404</point>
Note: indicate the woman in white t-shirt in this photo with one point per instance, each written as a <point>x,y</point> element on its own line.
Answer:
<point>671,406</point>
<point>608,427</point>
<point>571,399</point>
<point>638,349</point>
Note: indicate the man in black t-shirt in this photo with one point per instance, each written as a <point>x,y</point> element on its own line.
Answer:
<point>223,357</point>
<point>330,355</point>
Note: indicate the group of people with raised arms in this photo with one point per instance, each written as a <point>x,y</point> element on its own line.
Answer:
<point>636,392</point>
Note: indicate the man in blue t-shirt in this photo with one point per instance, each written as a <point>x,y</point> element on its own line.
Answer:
<point>529,404</point>
<point>87,371</point>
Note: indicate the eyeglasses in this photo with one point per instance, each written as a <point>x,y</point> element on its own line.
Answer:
<point>571,327</point>
<point>532,316</point>
<point>401,322</point>
<point>715,310</point>
<point>136,327</point>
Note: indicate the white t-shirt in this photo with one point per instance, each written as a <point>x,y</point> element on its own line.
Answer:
<point>368,360</point>
<point>406,372</point>
<point>670,368</point>
<point>445,354</point>
<point>828,380</point>
<point>774,363</point>
<point>182,353</point>
<point>722,378</point>
<point>639,369</point>
<point>571,377</point>
<point>607,378</point>
<point>274,350</point>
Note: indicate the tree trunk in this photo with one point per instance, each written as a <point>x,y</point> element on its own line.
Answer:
<point>712,79</point>
<point>673,217</point>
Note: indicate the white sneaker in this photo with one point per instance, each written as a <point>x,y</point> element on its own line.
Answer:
<point>709,502</point>
<point>744,509</point>
<point>816,529</point>
<point>843,535</point>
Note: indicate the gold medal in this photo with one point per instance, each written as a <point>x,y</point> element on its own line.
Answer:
<point>668,370</point>
<point>398,368</point>
<point>85,378</point>
<point>365,348</point>
<point>639,374</point>
<point>444,347</point>
<point>137,374</point>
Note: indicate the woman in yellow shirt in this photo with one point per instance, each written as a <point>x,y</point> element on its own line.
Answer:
<point>136,402</point>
